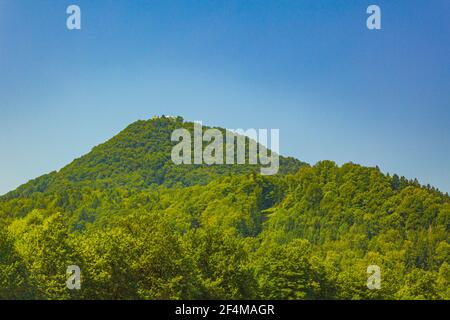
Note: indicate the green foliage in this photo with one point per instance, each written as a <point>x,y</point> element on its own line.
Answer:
<point>13,273</point>
<point>140,227</point>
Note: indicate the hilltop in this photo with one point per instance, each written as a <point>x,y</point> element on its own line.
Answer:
<point>139,157</point>
<point>140,227</point>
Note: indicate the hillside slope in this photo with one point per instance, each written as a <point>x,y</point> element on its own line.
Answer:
<point>139,157</point>
<point>140,228</point>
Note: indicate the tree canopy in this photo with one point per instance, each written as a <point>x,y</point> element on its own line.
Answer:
<point>140,227</point>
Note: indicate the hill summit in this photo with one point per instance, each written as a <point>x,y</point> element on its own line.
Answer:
<point>137,226</point>
<point>139,157</point>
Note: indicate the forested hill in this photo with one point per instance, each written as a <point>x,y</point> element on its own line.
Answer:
<point>139,157</point>
<point>140,227</point>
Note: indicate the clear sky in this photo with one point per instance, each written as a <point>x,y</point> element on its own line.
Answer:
<point>311,68</point>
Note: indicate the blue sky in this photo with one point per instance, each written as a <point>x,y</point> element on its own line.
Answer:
<point>311,68</point>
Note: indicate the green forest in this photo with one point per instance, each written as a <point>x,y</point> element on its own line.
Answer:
<point>141,227</point>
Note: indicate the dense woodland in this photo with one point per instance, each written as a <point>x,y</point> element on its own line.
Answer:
<point>141,227</point>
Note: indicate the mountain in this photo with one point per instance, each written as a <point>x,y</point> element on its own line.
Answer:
<point>139,157</point>
<point>140,227</point>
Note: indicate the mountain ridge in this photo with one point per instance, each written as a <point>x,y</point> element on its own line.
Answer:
<point>139,229</point>
<point>132,137</point>
<point>143,151</point>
